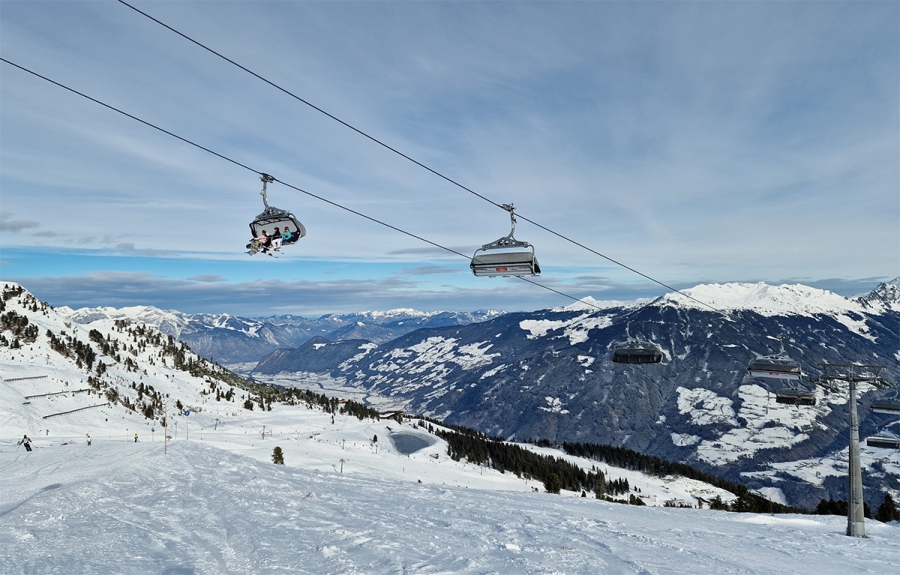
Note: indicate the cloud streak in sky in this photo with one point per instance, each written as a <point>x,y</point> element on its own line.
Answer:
<point>8,224</point>
<point>208,293</point>
<point>262,297</point>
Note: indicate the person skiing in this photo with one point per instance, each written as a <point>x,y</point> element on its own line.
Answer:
<point>135,437</point>
<point>26,441</point>
<point>88,435</point>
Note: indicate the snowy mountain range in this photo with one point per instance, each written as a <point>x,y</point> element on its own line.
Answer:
<point>355,494</point>
<point>555,380</point>
<point>113,378</point>
<point>548,374</point>
<point>231,339</point>
<point>352,497</point>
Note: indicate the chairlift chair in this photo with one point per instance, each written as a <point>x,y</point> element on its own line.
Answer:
<point>637,351</point>
<point>795,395</point>
<point>273,217</point>
<point>774,367</point>
<point>887,405</point>
<point>883,439</point>
<point>506,256</point>
<point>634,350</point>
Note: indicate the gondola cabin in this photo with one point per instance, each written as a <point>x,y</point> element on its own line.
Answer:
<point>274,218</point>
<point>275,222</point>
<point>637,351</point>
<point>774,367</point>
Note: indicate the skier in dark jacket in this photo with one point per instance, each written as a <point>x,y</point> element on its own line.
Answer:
<point>26,441</point>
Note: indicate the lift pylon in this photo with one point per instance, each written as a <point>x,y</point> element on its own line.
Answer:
<point>852,374</point>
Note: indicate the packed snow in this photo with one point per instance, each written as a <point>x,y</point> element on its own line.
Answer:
<point>125,508</point>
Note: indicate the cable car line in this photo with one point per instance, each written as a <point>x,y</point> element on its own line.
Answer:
<point>475,261</point>
<point>311,105</point>
<point>649,353</point>
<point>272,178</point>
<point>235,162</point>
<point>113,108</point>
<point>407,157</point>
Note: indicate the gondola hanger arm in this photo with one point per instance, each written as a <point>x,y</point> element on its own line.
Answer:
<point>266,179</point>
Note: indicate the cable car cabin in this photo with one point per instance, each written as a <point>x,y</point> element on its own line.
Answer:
<point>506,256</point>
<point>775,367</point>
<point>891,406</point>
<point>273,217</point>
<point>884,441</point>
<point>493,264</point>
<point>795,396</point>
<point>637,351</point>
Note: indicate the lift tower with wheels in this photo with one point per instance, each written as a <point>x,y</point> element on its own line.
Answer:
<point>852,374</point>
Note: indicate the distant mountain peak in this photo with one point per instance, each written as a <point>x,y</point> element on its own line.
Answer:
<point>764,299</point>
<point>235,339</point>
<point>590,304</point>
<point>760,297</point>
<point>887,294</point>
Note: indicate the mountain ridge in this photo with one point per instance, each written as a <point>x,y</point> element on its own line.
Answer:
<point>233,339</point>
<point>549,374</point>
<point>115,375</point>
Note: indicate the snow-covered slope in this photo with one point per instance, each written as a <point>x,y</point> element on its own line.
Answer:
<point>117,507</point>
<point>169,322</point>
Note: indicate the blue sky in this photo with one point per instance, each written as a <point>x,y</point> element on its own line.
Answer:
<point>694,141</point>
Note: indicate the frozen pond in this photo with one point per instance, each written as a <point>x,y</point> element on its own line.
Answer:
<point>408,443</point>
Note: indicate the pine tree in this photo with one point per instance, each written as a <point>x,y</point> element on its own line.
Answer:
<point>887,511</point>
<point>552,484</point>
<point>277,456</point>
